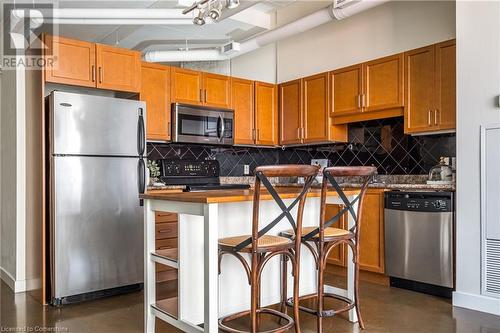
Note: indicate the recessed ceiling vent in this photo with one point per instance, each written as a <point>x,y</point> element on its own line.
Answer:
<point>230,48</point>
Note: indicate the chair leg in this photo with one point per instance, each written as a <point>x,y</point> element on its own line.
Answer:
<point>356,289</point>
<point>254,294</point>
<point>284,283</point>
<point>296,273</point>
<point>319,315</point>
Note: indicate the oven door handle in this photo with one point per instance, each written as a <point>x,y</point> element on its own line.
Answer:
<point>220,124</point>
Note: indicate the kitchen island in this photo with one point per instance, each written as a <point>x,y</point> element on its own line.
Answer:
<point>204,217</point>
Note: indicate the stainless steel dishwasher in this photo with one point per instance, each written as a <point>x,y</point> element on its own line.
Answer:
<point>419,241</point>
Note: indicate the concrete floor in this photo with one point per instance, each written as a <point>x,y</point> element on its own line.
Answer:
<point>385,309</point>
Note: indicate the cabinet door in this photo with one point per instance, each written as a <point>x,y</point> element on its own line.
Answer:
<point>445,99</point>
<point>243,105</point>
<point>217,90</point>
<point>290,94</point>
<point>118,69</point>
<point>346,90</point>
<point>155,91</point>
<point>266,114</point>
<point>186,86</point>
<point>73,61</point>
<point>338,254</point>
<point>316,117</point>
<point>419,89</point>
<point>383,83</point>
<point>371,243</point>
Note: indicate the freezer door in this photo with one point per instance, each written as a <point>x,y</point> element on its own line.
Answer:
<point>96,125</point>
<point>96,225</point>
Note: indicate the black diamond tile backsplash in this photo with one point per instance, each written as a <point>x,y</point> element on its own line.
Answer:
<point>381,143</point>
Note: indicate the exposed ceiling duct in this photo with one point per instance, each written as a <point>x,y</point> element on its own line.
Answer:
<point>333,12</point>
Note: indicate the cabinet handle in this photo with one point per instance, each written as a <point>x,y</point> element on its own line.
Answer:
<point>437,120</point>
<point>100,74</point>
<point>429,115</point>
<point>363,100</point>
<point>205,95</point>
<point>298,133</point>
<point>93,73</point>
<point>359,101</point>
<point>303,132</point>
<point>201,95</point>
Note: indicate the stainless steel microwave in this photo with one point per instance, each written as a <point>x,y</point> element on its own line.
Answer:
<point>199,124</point>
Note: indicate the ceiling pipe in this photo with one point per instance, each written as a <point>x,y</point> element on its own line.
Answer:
<point>85,21</point>
<point>301,25</point>
<point>107,13</point>
<point>106,16</point>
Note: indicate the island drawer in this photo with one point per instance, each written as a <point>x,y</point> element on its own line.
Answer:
<point>165,217</point>
<point>169,243</point>
<point>166,230</point>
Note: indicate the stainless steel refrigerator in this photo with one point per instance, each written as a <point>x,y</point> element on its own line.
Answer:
<point>97,171</point>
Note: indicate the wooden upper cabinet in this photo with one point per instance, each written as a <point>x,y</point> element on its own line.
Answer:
<point>242,94</point>
<point>346,90</point>
<point>73,61</point>
<point>290,94</point>
<point>266,114</point>
<point>118,69</point>
<point>186,86</point>
<point>371,243</point>
<point>316,115</point>
<point>419,89</point>
<point>155,91</point>
<point>217,90</point>
<point>383,83</point>
<point>445,92</point>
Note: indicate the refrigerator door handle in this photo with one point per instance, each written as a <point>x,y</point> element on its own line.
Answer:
<point>141,178</point>
<point>141,134</point>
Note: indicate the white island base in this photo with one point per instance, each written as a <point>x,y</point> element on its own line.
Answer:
<point>203,294</point>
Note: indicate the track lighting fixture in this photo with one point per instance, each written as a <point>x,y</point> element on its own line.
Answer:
<point>231,4</point>
<point>211,9</point>
<point>200,18</point>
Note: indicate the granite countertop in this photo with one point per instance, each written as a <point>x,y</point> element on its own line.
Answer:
<point>392,182</point>
<point>226,196</point>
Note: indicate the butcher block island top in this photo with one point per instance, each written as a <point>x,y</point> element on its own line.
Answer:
<point>221,196</point>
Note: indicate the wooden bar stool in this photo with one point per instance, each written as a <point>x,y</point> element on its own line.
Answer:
<point>321,240</point>
<point>263,247</point>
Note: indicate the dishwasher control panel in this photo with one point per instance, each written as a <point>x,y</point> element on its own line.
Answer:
<point>419,201</point>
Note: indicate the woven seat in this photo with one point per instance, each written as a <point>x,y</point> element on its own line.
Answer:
<point>329,232</point>
<point>265,242</point>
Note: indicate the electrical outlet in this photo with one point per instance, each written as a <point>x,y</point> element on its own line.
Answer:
<point>323,163</point>
<point>246,169</point>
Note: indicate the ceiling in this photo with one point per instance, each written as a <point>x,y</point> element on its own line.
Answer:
<point>250,18</point>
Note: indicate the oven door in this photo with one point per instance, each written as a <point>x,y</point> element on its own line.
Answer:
<point>193,124</point>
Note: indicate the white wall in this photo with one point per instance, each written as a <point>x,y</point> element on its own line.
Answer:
<point>12,225</point>
<point>478,86</point>
<point>8,169</point>
<point>390,28</point>
<point>259,65</point>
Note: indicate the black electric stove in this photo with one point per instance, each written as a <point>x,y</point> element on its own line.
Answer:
<point>195,175</point>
